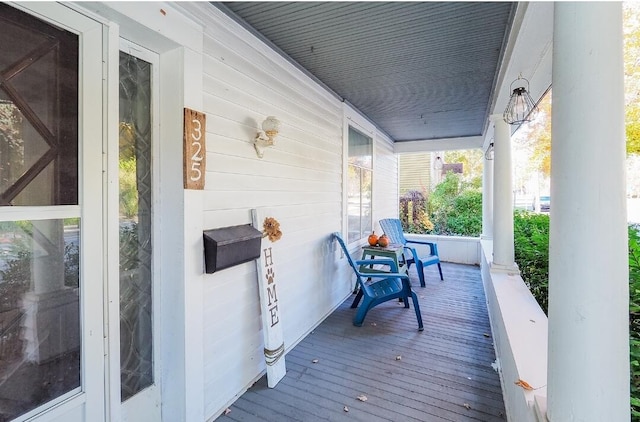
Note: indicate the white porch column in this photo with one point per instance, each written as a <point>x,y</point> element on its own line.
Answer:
<point>503,253</point>
<point>487,200</point>
<point>588,370</point>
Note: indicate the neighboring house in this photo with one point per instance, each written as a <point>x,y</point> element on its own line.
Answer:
<point>112,316</point>
<point>415,172</point>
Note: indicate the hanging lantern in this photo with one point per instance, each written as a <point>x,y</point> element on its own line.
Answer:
<point>521,107</point>
<point>488,154</point>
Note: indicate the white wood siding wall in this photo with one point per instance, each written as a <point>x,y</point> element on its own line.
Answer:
<point>300,177</point>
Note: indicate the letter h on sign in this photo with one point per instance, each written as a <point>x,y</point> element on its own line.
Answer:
<point>272,298</point>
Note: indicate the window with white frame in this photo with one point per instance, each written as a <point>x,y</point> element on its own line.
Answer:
<point>359,190</point>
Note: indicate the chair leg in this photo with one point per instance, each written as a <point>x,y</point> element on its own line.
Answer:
<point>356,300</point>
<point>420,270</point>
<point>416,307</point>
<point>358,318</point>
<point>440,269</point>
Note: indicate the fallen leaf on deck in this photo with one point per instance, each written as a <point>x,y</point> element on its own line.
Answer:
<point>362,397</point>
<point>315,361</point>
<point>373,324</point>
<point>467,405</point>
<point>486,335</point>
<point>227,411</point>
<point>346,409</point>
<point>398,357</point>
<point>524,385</point>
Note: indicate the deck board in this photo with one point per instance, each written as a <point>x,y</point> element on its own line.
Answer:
<point>444,373</point>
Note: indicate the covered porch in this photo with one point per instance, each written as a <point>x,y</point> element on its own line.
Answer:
<point>350,85</point>
<point>444,373</point>
<point>588,293</point>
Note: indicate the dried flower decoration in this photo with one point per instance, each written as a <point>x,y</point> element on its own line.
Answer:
<point>271,228</point>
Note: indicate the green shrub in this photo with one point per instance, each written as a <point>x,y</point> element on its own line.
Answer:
<point>634,318</point>
<point>413,213</point>
<point>531,235</point>
<point>465,218</point>
<point>456,207</point>
<point>441,202</point>
<point>531,240</point>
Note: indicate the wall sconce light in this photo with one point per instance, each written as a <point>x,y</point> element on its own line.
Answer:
<point>488,154</point>
<point>437,165</point>
<point>521,107</point>
<point>267,136</point>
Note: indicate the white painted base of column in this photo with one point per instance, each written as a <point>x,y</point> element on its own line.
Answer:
<point>540,407</point>
<point>510,269</point>
<point>486,237</point>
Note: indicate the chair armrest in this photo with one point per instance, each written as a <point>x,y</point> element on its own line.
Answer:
<point>433,247</point>
<point>378,261</point>
<point>385,275</point>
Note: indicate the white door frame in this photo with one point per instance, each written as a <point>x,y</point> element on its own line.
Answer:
<point>177,37</point>
<point>87,404</point>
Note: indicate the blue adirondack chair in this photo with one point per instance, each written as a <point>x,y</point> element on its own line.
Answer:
<point>392,227</point>
<point>379,287</point>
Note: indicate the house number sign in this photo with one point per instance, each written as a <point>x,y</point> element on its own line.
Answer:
<point>194,149</point>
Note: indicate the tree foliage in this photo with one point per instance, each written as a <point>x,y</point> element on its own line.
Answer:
<point>535,138</point>
<point>631,27</point>
<point>472,162</point>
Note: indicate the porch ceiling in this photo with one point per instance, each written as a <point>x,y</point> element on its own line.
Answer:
<point>418,70</point>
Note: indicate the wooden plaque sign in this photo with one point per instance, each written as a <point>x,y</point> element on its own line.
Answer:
<point>266,267</point>
<point>194,162</point>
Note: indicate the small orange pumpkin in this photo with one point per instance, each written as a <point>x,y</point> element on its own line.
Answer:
<point>373,239</point>
<point>383,241</point>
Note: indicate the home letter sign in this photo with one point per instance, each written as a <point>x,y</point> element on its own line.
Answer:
<point>195,154</point>
<point>267,285</point>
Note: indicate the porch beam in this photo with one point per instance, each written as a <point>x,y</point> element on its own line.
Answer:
<point>588,369</point>
<point>442,144</point>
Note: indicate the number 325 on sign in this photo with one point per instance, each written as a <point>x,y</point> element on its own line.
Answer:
<point>195,154</point>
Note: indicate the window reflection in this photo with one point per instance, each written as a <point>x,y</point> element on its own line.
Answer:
<point>39,313</point>
<point>136,288</point>
<point>359,187</point>
<point>38,112</point>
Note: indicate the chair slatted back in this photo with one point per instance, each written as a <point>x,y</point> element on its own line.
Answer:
<point>337,236</point>
<point>392,227</point>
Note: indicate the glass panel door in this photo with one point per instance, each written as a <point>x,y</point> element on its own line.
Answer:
<point>39,258</point>
<point>136,293</point>
<point>47,342</point>
<point>138,271</point>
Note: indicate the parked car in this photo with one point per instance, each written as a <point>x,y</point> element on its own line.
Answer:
<point>545,203</point>
<point>524,202</point>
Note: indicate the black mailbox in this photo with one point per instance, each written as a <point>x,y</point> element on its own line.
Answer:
<point>229,246</point>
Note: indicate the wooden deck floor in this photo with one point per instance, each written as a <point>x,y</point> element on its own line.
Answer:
<point>441,374</point>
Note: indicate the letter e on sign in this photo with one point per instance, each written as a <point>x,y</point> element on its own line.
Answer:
<point>194,162</point>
